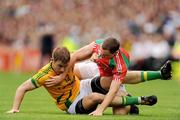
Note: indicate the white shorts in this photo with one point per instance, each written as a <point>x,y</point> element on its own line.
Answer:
<point>88,69</point>
<point>85,90</point>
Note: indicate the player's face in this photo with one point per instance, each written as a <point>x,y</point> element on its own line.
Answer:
<point>59,67</point>
<point>107,54</point>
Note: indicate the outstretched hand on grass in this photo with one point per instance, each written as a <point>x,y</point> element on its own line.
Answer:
<point>97,112</point>
<point>12,111</point>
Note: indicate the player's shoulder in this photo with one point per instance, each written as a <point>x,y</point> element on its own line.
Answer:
<point>46,67</point>
<point>124,52</point>
<point>46,70</point>
<point>95,44</point>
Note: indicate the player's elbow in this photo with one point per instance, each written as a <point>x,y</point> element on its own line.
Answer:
<point>22,89</point>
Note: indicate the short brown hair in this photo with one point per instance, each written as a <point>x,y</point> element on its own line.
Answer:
<point>61,54</point>
<point>111,44</point>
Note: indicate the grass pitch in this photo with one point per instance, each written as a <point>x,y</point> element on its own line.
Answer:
<point>38,105</point>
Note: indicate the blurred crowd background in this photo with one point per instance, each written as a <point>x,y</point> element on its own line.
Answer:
<point>30,29</point>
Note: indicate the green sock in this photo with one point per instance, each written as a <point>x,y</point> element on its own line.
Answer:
<point>126,100</point>
<point>150,75</point>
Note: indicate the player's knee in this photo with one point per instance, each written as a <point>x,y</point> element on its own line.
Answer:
<point>121,110</point>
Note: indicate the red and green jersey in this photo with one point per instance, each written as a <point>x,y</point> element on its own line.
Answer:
<point>116,66</point>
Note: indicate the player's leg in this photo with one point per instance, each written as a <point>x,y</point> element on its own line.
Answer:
<point>134,110</point>
<point>85,90</point>
<point>89,103</point>
<point>123,110</point>
<point>134,77</point>
<point>127,100</point>
<point>89,69</point>
<point>101,85</point>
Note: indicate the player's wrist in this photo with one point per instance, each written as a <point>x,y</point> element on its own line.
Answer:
<point>101,108</point>
<point>15,109</point>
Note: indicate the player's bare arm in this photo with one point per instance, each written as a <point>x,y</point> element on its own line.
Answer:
<point>83,53</point>
<point>109,97</point>
<point>20,92</point>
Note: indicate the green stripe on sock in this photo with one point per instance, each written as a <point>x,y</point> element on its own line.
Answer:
<point>143,78</point>
<point>126,100</point>
<point>123,100</point>
<point>150,75</point>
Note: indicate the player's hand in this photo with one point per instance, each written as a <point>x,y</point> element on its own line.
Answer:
<point>94,57</point>
<point>97,112</point>
<point>54,80</point>
<point>12,111</point>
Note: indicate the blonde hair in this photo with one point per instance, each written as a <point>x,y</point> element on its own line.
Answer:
<point>61,54</point>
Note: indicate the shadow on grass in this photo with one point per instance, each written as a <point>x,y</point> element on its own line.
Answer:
<point>44,112</point>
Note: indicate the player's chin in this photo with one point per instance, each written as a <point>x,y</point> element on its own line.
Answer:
<point>60,72</point>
